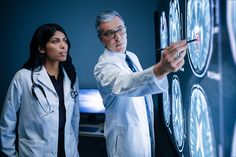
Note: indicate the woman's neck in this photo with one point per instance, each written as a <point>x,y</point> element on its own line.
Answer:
<point>52,69</point>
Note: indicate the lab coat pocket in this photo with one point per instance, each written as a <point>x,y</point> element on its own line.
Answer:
<point>72,145</point>
<point>129,142</point>
<point>28,148</point>
<point>122,142</point>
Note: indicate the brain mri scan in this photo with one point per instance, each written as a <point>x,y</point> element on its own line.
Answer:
<point>197,108</point>
<point>174,22</point>
<point>231,24</point>
<point>233,148</point>
<point>164,43</point>
<point>201,136</point>
<point>177,113</point>
<point>199,26</point>
<point>166,108</point>
<point>163,30</point>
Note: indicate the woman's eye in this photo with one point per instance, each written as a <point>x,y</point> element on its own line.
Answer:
<point>65,40</point>
<point>54,41</point>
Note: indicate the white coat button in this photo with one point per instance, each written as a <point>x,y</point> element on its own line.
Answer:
<point>53,152</point>
<point>54,130</point>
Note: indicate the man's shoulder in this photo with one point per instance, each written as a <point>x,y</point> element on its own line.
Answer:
<point>108,56</point>
<point>132,55</point>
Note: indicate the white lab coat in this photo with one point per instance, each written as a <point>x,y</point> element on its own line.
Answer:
<point>38,133</point>
<point>129,129</point>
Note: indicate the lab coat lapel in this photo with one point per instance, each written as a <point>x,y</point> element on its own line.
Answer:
<point>67,88</point>
<point>43,78</point>
<point>135,62</point>
<point>149,103</point>
<point>137,65</point>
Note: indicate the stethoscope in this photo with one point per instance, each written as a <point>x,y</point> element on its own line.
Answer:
<point>35,86</point>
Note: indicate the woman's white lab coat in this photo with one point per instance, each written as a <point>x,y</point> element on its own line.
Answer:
<point>129,120</point>
<point>37,131</point>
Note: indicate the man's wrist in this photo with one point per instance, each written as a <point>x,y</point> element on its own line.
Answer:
<point>160,74</point>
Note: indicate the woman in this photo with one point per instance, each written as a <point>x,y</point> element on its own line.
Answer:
<point>40,116</point>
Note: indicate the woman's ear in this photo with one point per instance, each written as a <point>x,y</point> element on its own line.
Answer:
<point>41,49</point>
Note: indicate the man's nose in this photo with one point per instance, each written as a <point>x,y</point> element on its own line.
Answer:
<point>117,36</point>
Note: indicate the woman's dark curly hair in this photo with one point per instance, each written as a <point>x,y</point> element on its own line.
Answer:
<point>39,40</point>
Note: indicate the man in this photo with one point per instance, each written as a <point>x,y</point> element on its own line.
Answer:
<point>126,88</point>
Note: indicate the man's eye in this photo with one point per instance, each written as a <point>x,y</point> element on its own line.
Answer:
<point>109,33</point>
<point>119,30</point>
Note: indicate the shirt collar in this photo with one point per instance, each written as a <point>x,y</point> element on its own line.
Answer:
<point>114,53</point>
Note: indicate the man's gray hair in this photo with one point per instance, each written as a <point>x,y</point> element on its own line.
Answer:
<point>106,16</point>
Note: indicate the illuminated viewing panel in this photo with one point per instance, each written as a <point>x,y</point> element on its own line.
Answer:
<point>163,31</point>
<point>166,108</point>
<point>177,113</point>
<point>231,24</point>
<point>199,109</point>
<point>199,26</point>
<point>90,101</point>
<point>201,136</point>
<point>233,148</point>
<point>164,43</point>
<point>174,21</point>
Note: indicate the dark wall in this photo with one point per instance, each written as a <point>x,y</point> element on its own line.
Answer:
<point>19,19</point>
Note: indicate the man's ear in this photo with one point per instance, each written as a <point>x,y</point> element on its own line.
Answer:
<point>100,38</point>
<point>41,49</point>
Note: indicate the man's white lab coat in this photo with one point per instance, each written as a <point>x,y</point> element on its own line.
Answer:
<point>129,129</point>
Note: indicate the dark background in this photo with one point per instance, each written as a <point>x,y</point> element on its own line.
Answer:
<point>19,19</point>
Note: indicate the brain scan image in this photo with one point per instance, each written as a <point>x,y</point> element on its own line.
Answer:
<point>233,148</point>
<point>163,31</point>
<point>164,43</point>
<point>199,26</point>
<point>201,136</point>
<point>177,113</point>
<point>166,108</point>
<point>174,22</point>
<point>231,25</point>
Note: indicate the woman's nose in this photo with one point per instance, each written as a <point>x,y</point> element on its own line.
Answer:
<point>63,44</point>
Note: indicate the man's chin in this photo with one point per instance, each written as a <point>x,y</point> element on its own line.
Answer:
<point>121,50</point>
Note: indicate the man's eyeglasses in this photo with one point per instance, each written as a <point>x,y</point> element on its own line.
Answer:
<point>112,33</point>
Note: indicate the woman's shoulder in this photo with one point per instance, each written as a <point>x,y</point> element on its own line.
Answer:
<point>22,73</point>
<point>21,77</point>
